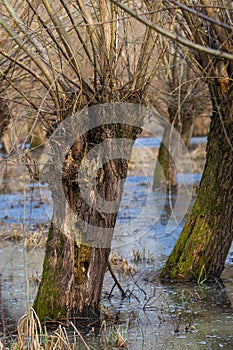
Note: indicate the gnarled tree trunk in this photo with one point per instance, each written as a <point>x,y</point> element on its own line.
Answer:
<point>203,245</point>
<point>79,240</point>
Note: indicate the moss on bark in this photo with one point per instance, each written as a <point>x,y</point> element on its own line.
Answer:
<point>48,300</point>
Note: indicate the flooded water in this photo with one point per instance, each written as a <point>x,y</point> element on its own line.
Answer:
<point>152,316</point>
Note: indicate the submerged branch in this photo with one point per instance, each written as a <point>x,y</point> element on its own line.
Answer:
<point>116,280</point>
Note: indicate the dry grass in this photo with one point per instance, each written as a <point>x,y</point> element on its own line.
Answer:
<point>114,336</point>
<point>120,264</point>
<point>31,335</point>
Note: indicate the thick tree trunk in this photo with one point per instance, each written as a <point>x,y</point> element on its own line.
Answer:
<point>203,245</point>
<point>72,279</point>
<point>79,240</point>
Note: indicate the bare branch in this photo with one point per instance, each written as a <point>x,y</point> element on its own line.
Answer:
<point>173,36</point>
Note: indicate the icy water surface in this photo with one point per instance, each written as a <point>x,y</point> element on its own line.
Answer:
<point>153,316</point>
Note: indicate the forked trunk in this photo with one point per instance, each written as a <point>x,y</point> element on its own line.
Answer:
<point>201,250</point>
<point>79,241</point>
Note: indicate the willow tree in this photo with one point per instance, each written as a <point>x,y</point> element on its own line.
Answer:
<point>201,250</point>
<point>185,96</point>
<point>87,57</point>
<point>203,32</point>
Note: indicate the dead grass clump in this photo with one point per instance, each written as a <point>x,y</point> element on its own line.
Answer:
<point>31,335</point>
<point>138,256</point>
<point>121,264</point>
<point>114,336</point>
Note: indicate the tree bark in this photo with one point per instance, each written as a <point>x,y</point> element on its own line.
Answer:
<point>79,240</point>
<point>203,245</point>
<point>5,116</point>
<point>165,169</point>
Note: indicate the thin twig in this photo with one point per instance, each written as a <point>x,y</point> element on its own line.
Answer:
<point>110,294</point>
<point>174,36</point>
<point>116,280</point>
